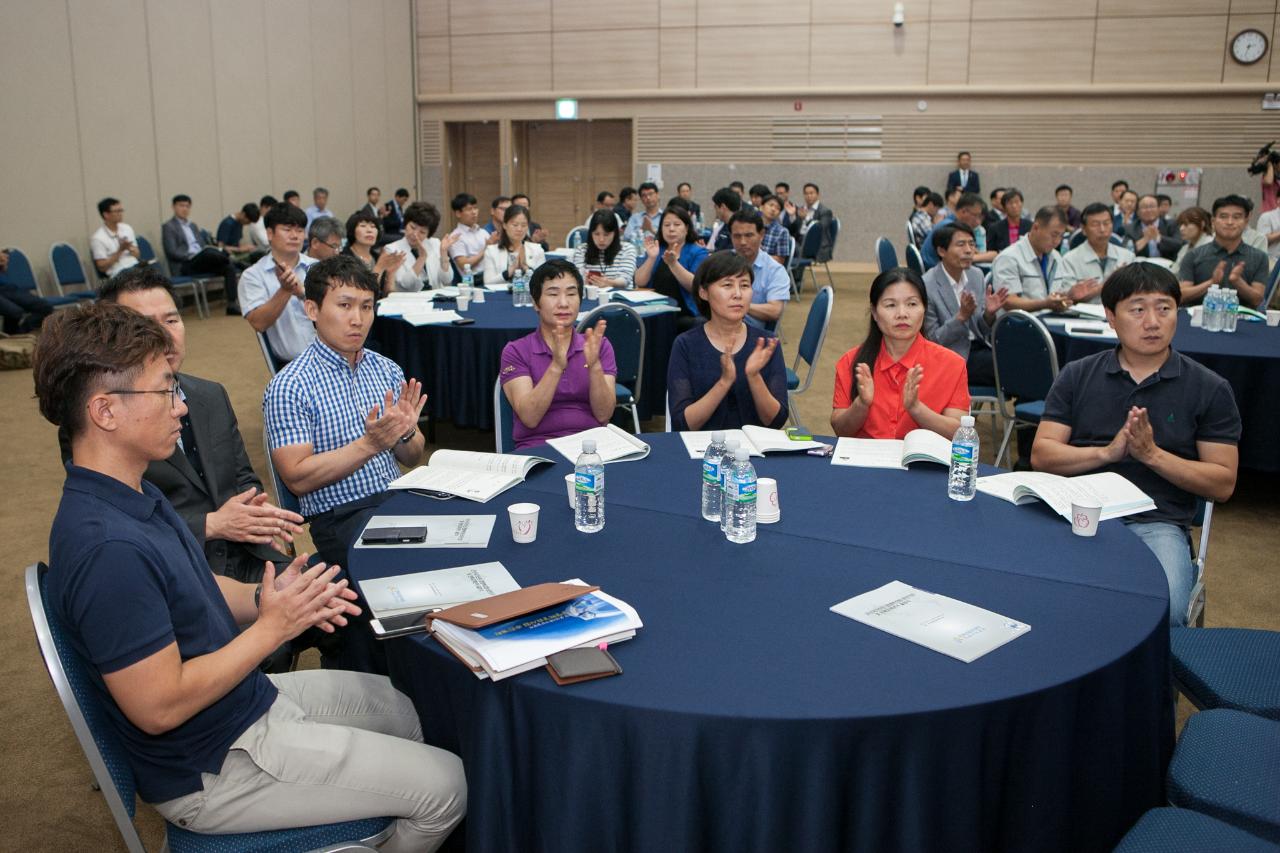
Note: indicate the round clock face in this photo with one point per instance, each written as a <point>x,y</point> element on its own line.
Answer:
<point>1248,47</point>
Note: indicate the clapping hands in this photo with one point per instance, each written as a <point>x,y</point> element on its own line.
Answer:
<point>398,417</point>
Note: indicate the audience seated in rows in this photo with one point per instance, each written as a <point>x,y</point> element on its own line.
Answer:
<point>725,373</point>
<point>257,229</point>
<point>292,197</point>
<point>469,239</point>
<point>669,262</point>
<point>685,191</point>
<point>364,232</point>
<point>925,215</point>
<point>1062,198</point>
<point>512,252</point>
<point>777,241</point>
<point>727,202</point>
<point>1195,226</point>
<point>114,246</point>
<point>1088,265</point>
<point>425,261</point>
<point>272,291</point>
<point>537,234</point>
<point>1118,189</point>
<point>1030,269</point>
<point>319,206</point>
<point>1226,260</point>
<point>21,310</point>
<point>644,222</point>
<point>190,251</point>
<point>790,218</point>
<point>947,211</point>
<point>1127,218</point>
<point>603,259</point>
<point>559,381</point>
<point>215,745</point>
<point>230,236</point>
<point>955,292</point>
<point>814,213</point>
<point>393,213</point>
<point>497,210</point>
<point>1165,422</point>
<point>995,211</point>
<point>770,281</point>
<point>1152,236</point>
<point>628,202</point>
<point>897,379</point>
<point>1012,226</point>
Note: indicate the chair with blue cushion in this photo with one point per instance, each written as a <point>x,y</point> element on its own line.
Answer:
<point>915,261</point>
<point>576,237</point>
<point>886,257</point>
<point>182,284</point>
<point>274,362</point>
<point>68,272</point>
<point>625,332</point>
<point>21,276</point>
<point>826,265</point>
<point>1026,364</point>
<point>1164,829</point>
<point>811,341</point>
<point>1236,668</point>
<point>285,499</point>
<point>107,758</point>
<point>1227,765</point>
<point>504,420</point>
<point>984,402</point>
<point>810,245</point>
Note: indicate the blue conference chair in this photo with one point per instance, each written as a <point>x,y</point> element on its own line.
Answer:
<point>811,341</point>
<point>1204,520</point>
<point>107,757</point>
<point>68,272</point>
<point>1026,364</point>
<point>1271,288</point>
<point>285,499</point>
<point>504,420</point>
<point>576,237</point>
<point>810,245</point>
<point>1164,829</point>
<point>1227,765</point>
<point>182,284</point>
<point>274,362</point>
<point>915,261</point>
<point>21,276</point>
<point>625,332</point>
<point>886,257</point>
<point>1235,668</point>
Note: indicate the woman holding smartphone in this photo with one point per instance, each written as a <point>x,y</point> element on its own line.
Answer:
<point>604,260</point>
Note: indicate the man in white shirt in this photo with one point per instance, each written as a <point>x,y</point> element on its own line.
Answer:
<point>469,239</point>
<point>319,208</point>
<point>1269,227</point>
<point>649,217</point>
<point>1030,269</point>
<point>770,283</point>
<point>114,246</point>
<point>271,291</point>
<point>426,259</point>
<point>956,292</point>
<point>257,231</point>
<point>1086,267</point>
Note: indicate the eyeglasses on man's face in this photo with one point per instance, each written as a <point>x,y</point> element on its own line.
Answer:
<point>172,392</point>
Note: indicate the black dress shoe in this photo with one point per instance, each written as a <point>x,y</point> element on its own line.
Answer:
<point>233,309</point>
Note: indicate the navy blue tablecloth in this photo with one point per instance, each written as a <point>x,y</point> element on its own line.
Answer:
<point>750,717</point>
<point>1249,360</point>
<point>457,365</point>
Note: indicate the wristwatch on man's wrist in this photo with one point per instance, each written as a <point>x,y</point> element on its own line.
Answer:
<point>408,436</point>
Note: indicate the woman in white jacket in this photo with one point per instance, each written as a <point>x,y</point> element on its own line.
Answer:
<point>426,257</point>
<point>512,252</point>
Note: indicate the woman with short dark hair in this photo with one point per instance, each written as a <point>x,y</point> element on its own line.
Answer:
<point>363,231</point>
<point>603,259</point>
<point>670,261</point>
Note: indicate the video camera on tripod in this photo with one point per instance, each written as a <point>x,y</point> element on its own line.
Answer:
<point>1266,154</point>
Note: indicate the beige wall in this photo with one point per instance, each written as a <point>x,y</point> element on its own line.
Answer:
<point>224,100</point>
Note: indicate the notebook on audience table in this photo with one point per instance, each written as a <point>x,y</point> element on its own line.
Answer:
<point>1117,496</point>
<point>757,440</point>
<point>920,445</point>
<point>613,444</point>
<point>400,604</point>
<point>469,474</point>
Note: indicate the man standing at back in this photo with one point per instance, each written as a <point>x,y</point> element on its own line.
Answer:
<point>189,250</point>
<point>964,177</point>
<point>816,213</point>
<point>114,246</point>
<point>273,290</point>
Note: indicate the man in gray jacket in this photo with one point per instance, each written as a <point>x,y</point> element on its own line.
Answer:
<point>191,251</point>
<point>961,309</point>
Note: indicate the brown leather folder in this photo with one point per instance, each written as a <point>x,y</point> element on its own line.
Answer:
<point>509,605</point>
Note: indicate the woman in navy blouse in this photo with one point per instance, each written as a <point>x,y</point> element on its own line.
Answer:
<point>725,374</point>
<point>670,262</point>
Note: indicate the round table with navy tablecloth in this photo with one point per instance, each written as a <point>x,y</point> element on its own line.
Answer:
<point>750,717</point>
<point>457,365</point>
<point>1249,359</point>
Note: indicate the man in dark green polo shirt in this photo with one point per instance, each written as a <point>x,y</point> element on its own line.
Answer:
<point>1227,261</point>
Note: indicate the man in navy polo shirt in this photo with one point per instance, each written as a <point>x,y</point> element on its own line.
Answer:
<point>1149,413</point>
<point>173,651</point>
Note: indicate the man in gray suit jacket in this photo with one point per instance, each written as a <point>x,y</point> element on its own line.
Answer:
<point>961,310</point>
<point>190,251</point>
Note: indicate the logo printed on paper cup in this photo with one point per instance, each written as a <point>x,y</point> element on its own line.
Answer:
<point>1082,519</point>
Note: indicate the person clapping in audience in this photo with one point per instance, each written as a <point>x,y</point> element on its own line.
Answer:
<point>670,262</point>
<point>726,374</point>
<point>1087,266</point>
<point>363,231</point>
<point>425,257</point>
<point>1196,229</point>
<point>604,260</point>
<point>1145,411</point>
<point>557,380</point>
<point>513,251</point>
<point>897,379</point>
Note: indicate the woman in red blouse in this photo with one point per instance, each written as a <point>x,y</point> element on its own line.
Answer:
<point>897,380</point>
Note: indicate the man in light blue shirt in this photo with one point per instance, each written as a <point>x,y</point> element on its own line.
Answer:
<point>320,197</point>
<point>646,220</point>
<point>271,291</point>
<point>770,283</point>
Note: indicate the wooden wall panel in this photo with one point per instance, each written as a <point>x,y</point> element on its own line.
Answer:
<point>826,12</point>
<point>677,58</point>
<point>433,17</point>
<point>1004,10</point>
<point>725,58</point>
<point>434,64</point>
<point>479,17</point>
<point>1275,39</point>
<point>526,65</point>
<point>1026,44</point>
<point>677,13</point>
<point>1156,8</point>
<point>859,51</point>
<point>950,10</point>
<point>752,13</point>
<point>597,15</point>
<point>1191,45</point>
<point>1234,72</point>
<point>576,60</point>
<point>1245,7</point>
<point>948,53</point>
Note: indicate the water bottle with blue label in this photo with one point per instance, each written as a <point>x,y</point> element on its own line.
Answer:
<point>468,278</point>
<point>1230,309</point>
<point>962,481</point>
<point>711,488</point>
<point>1211,310</point>
<point>740,499</point>
<point>726,463</point>
<point>588,488</point>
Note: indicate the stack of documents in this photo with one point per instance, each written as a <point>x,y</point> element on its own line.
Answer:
<point>757,440</point>
<point>469,474</point>
<point>1116,495</point>
<point>613,444</point>
<point>399,604</point>
<point>920,445</point>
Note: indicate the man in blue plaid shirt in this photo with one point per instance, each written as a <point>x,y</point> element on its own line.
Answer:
<point>339,417</point>
<point>777,240</point>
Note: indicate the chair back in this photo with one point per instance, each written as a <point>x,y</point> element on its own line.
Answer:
<point>504,420</point>
<point>667,412</point>
<point>70,676</point>
<point>886,257</point>
<point>146,253</point>
<point>1271,288</point>
<point>814,334</point>
<point>285,499</point>
<point>915,260</point>
<point>1026,362</point>
<point>812,242</point>
<point>576,237</point>
<point>274,363</point>
<point>835,233</point>
<point>1204,520</point>
<point>67,269</point>
<point>625,331</point>
<point>19,272</point>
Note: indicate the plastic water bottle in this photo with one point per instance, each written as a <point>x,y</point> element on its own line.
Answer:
<point>1211,320</point>
<point>726,464</point>
<point>468,279</point>
<point>588,487</point>
<point>962,481</point>
<point>520,289</point>
<point>711,492</point>
<point>1230,310</point>
<point>740,499</point>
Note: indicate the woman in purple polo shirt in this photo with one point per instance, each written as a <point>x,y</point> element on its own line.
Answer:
<point>558,381</point>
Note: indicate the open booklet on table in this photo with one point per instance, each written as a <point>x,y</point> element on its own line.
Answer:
<point>920,445</point>
<point>1117,496</point>
<point>400,604</point>
<point>469,474</point>
<point>757,440</point>
<point>612,443</point>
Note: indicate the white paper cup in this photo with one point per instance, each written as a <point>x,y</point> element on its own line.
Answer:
<point>593,292</point>
<point>524,522</point>
<point>477,295</point>
<point>570,485</point>
<point>464,302</point>
<point>1084,518</point>
<point>1197,316</point>
<point>767,509</point>
<point>1273,318</point>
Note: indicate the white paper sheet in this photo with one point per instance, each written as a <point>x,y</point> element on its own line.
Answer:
<point>612,444</point>
<point>439,588</point>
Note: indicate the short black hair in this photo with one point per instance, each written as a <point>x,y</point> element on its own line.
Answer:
<point>1162,198</point>
<point>998,191</point>
<point>1010,193</point>
<point>285,214</point>
<point>1048,214</point>
<point>786,186</point>
<point>106,204</point>
<point>648,185</point>
<point>1120,183</point>
<point>725,197</point>
<point>136,278</point>
<point>1094,209</point>
<point>815,187</point>
<point>358,218</point>
<point>373,189</point>
<point>954,190</point>
<point>968,200</point>
<point>320,190</point>
<point>682,185</point>
<point>251,212</point>
<point>401,192</point>
<point>716,266</point>
<point>499,200</point>
<point>553,268</point>
<point>921,192</point>
<point>461,200</point>
<point>1133,279</point>
<point>771,198</point>
<point>683,204</point>
<point>943,236</point>
<point>758,189</point>
<point>739,186</point>
<point>751,217</point>
<point>424,215</point>
<point>934,199</point>
<point>268,201</point>
<point>180,197</point>
<point>288,194</point>
<point>963,154</point>
<point>626,193</point>
<point>335,272</point>
<point>1062,187</point>
<point>1232,200</point>
<point>524,196</point>
<point>602,195</point>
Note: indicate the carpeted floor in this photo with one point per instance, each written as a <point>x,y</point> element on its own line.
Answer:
<point>45,792</point>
